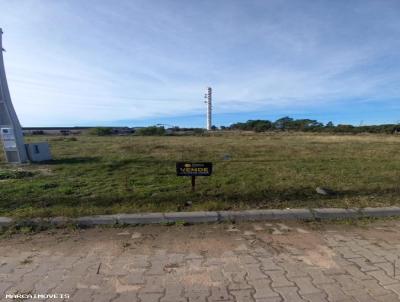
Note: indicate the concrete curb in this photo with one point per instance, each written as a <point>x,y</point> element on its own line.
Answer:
<point>212,216</point>
<point>5,221</point>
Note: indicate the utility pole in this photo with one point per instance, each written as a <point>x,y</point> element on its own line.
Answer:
<point>208,101</point>
<point>10,128</point>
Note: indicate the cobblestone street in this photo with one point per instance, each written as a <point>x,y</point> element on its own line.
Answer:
<point>263,262</point>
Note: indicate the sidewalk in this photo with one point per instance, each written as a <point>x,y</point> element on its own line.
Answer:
<point>243,262</point>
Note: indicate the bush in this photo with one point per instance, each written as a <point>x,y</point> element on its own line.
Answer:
<point>101,131</point>
<point>153,130</point>
<point>198,131</point>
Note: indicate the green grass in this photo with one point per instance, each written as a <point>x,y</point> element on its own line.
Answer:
<point>111,174</point>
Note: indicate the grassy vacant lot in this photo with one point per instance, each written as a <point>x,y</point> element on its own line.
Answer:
<point>102,175</point>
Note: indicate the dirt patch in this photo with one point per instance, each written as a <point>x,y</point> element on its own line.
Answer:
<point>321,256</point>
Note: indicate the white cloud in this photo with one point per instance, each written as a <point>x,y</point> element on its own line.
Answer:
<point>80,62</point>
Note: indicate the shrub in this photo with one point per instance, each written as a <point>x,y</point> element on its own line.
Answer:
<point>101,131</point>
<point>152,130</point>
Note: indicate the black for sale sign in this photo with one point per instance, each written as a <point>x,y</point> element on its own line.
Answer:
<point>193,169</point>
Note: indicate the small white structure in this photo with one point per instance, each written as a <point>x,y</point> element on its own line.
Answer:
<point>38,152</point>
<point>10,128</point>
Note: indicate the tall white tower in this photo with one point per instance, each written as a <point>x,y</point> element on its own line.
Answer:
<point>10,128</point>
<point>208,97</point>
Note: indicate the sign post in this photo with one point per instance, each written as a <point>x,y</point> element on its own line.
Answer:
<point>193,170</point>
<point>193,183</point>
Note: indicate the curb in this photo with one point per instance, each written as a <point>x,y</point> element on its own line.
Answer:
<point>213,216</point>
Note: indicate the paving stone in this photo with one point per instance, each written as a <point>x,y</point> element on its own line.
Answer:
<point>289,294</point>
<point>192,256</point>
<point>394,287</point>
<point>278,279</point>
<point>104,297</point>
<point>26,285</point>
<point>45,285</point>
<point>149,297</point>
<point>213,261</point>
<point>176,258</point>
<point>361,295</point>
<point>217,276</point>
<point>261,252</point>
<point>133,278</point>
<point>387,298</point>
<point>156,268</point>
<point>172,298</point>
<point>374,288</point>
<point>382,278</point>
<point>224,269</point>
<point>126,297</point>
<point>197,296</point>
<point>294,270</point>
<point>153,284</point>
<point>347,283</point>
<point>219,294</point>
<point>67,285</point>
<point>92,281</point>
<point>385,246</point>
<point>258,228</point>
<point>263,289</point>
<point>237,281</point>
<point>333,242</point>
<point>232,268</point>
<point>173,293</point>
<point>346,252</point>
<point>7,267</point>
<point>254,272</point>
<point>388,268</point>
<point>318,277</point>
<point>315,297</point>
<point>371,257</point>
<point>334,292</point>
<point>242,295</point>
<point>364,264</point>
<point>268,264</point>
<point>333,271</point>
<point>276,231</point>
<point>305,285</point>
<point>356,272</point>
<point>83,294</point>
<point>248,259</point>
<point>275,299</point>
<point>4,286</point>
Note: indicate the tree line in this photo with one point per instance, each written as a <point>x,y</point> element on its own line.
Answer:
<point>283,124</point>
<point>308,125</point>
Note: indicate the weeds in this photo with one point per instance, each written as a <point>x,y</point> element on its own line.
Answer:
<point>114,174</point>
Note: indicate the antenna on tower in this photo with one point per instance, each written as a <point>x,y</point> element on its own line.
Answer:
<point>208,101</point>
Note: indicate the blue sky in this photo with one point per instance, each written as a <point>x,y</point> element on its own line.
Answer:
<point>140,62</point>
